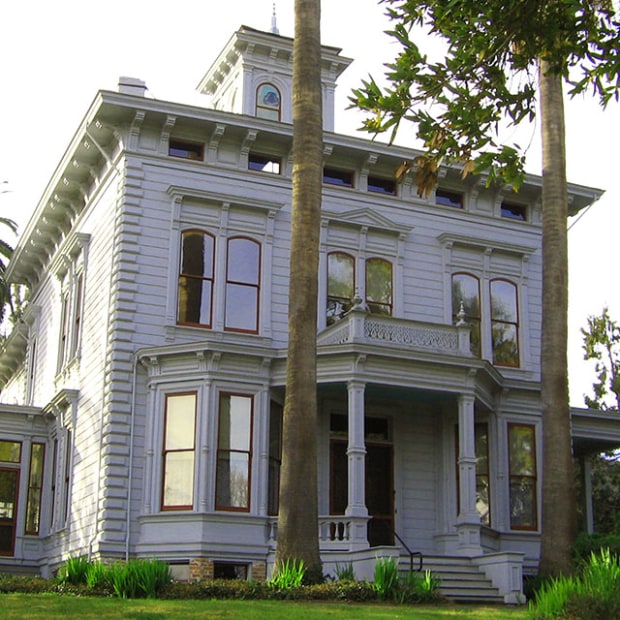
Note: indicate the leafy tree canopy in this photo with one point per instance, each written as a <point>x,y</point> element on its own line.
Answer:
<point>486,80</point>
<point>601,343</point>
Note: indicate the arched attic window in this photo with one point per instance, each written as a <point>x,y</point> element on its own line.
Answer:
<point>268,102</point>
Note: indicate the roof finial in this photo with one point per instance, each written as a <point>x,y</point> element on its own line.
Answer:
<point>274,27</point>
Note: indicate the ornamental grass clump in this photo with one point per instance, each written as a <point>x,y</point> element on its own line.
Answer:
<point>386,578</point>
<point>345,572</point>
<point>592,595</point>
<point>74,571</point>
<point>288,575</point>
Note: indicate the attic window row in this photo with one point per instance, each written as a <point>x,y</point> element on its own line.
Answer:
<point>259,162</point>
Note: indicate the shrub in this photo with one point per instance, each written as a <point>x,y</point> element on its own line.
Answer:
<point>25,585</point>
<point>587,544</point>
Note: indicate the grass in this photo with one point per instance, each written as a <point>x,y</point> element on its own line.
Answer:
<point>19,606</point>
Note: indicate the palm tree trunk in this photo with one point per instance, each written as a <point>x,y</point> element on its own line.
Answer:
<point>559,519</point>
<point>298,516</point>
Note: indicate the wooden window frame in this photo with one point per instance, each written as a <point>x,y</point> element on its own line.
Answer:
<point>515,324</point>
<point>12,523</point>
<point>533,478</point>
<point>381,185</point>
<point>275,458</point>
<point>346,303</point>
<point>514,211</point>
<point>268,109</point>
<point>449,198</point>
<point>248,452</point>
<point>256,159</point>
<point>170,507</point>
<point>338,177</point>
<point>63,346</point>
<point>185,149</point>
<point>470,318</point>
<point>369,303</point>
<point>34,491</point>
<point>256,286</point>
<point>78,310</point>
<point>202,278</point>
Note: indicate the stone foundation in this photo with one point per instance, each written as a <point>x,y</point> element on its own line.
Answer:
<point>200,569</point>
<point>259,571</point>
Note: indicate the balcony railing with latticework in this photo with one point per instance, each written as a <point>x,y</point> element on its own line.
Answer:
<point>360,326</point>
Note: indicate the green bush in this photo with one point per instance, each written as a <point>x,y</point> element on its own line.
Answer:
<point>25,585</point>
<point>587,544</point>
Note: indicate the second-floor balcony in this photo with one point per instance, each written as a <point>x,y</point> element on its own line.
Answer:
<point>363,328</point>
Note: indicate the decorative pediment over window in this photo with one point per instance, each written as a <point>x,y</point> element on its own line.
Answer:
<point>486,246</point>
<point>365,218</point>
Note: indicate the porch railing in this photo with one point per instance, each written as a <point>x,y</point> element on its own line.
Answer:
<point>361,327</point>
<point>334,530</point>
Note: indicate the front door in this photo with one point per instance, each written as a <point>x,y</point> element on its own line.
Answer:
<point>379,489</point>
<point>380,494</point>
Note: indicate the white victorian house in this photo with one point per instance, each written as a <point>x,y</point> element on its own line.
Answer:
<point>142,390</point>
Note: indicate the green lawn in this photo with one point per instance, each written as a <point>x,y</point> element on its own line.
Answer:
<point>53,606</point>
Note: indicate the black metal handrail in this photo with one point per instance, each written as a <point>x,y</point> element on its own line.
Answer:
<point>412,554</point>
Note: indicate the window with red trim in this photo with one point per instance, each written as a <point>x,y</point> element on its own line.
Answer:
<point>179,452</point>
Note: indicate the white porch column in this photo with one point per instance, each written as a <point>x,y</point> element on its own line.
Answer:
<point>586,468</point>
<point>356,455</point>
<point>468,522</point>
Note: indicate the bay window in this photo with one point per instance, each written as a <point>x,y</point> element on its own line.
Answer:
<point>178,452</point>
<point>10,458</point>
<point>522,476</point>
<point>234,454</point>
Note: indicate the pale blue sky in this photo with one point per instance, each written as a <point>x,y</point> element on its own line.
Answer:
<point>56,54</point>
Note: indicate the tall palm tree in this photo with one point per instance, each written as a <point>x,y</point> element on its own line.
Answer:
<point>558,487</point>
<point>298,515</point>
<point>6,251</point>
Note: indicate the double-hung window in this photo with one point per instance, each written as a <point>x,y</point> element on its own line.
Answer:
<point>71,274</point>
<point>10,459</point>
<point>503,316</point>
<point>466,298</point>
<point>179,452</point>
<point>242,285</point>
<point>523,476</point>
<point>35,489</point>
<point>197,282</point>
<point>342,285</point>
<point>195,300</point>
<point>504,323</point>
<point>234,454</point>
